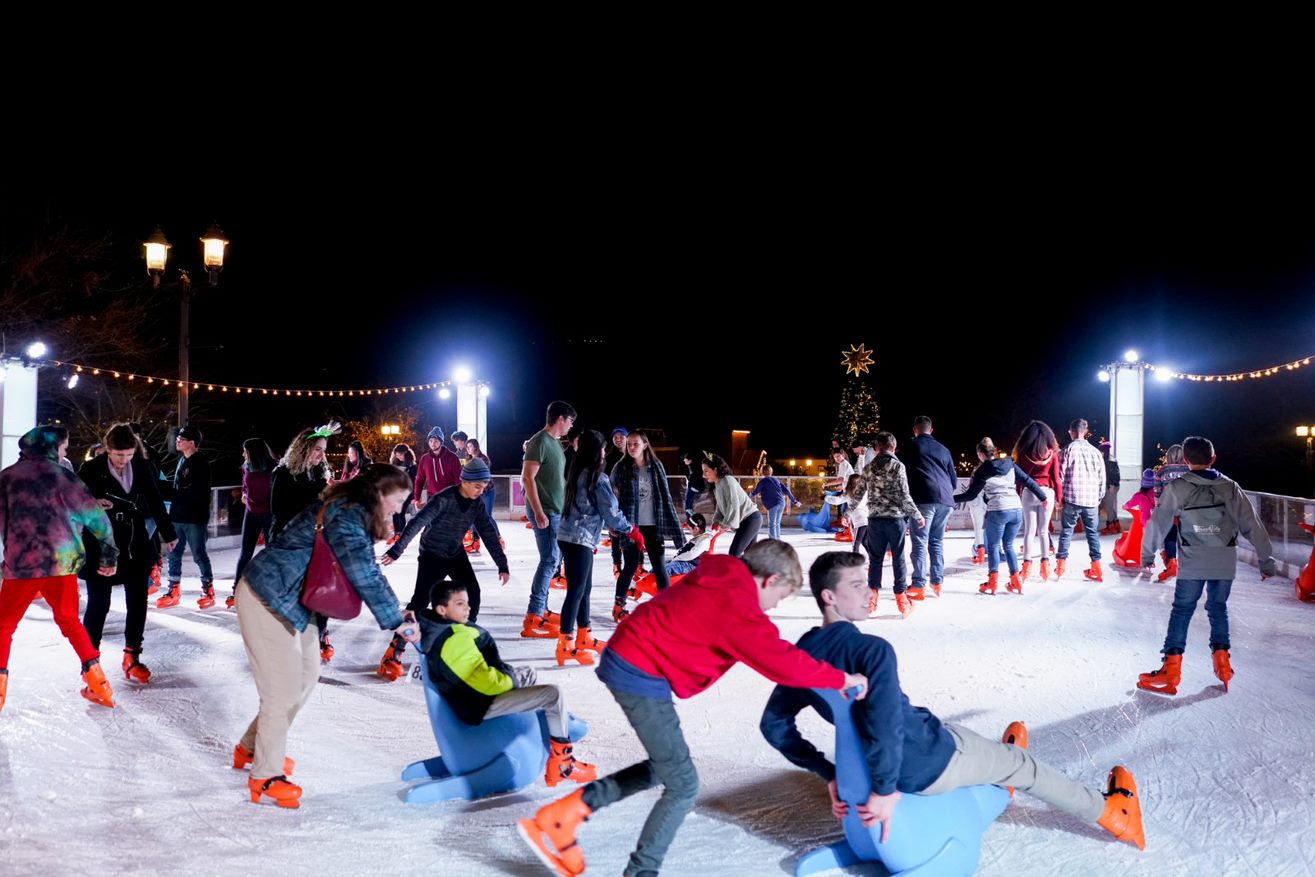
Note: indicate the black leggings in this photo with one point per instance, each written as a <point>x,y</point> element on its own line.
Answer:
<point>859,535</point>
<point>746,534</point>
<point>433,569</point>
<point>135,584</point>
<point>656,553</point>
<point>579,561</point>
<point>253,525</point>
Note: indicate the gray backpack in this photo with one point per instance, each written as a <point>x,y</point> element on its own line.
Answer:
<point>1204,520</point>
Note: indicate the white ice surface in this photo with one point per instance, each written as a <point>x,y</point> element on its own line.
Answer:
<point>1228,780</point>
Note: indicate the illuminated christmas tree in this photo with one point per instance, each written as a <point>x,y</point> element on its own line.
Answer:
<point>860,416</point>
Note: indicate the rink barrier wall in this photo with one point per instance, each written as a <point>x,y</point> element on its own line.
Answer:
<point>1279,514</point>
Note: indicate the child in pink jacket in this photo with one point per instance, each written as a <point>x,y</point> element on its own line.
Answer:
<point>1143,501</point>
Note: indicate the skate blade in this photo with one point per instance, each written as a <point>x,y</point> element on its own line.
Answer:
<point>533,838</point>
<point>86,692</point>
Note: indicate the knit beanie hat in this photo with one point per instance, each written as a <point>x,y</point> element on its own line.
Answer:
<point>476,469</point>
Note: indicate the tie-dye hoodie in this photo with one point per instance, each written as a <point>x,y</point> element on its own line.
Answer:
<point>43,509</point>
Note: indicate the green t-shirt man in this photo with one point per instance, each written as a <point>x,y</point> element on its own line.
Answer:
<point>551,477</point>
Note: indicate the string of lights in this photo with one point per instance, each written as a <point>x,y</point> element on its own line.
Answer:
<point>82,369</point>
<point>1164,373</point>
<point>1238,376</point>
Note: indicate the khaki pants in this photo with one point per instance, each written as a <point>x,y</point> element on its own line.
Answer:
<point>531,699</point>
<point>286,666</point>
<point>979,761</point>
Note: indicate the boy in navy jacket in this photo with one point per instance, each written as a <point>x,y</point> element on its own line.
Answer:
<point>908,748</point>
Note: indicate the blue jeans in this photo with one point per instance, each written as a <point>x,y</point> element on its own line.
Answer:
<point>488,497</point>
<point>195,536</point>
<point>550,558</point>
<point>1171,543</point>
<point>929,541</point>
<point>690,495</point>
<point>1002,525</point>
<point>668,765</point>
<point>1185,596</point>
<point>774,521</point>
<point>1071,515</point>
<point>886,534</point>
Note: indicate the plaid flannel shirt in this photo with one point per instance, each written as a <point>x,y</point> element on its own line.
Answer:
<point>1082,470</point>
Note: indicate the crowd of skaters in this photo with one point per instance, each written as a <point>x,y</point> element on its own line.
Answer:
<point>109,523</point>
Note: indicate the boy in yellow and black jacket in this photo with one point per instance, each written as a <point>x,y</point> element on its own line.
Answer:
<point>464,663</point>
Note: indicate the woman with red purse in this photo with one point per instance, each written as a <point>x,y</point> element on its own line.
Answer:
<point>323,560</point>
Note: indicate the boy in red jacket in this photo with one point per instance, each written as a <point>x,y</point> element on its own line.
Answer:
<point>681,642</point>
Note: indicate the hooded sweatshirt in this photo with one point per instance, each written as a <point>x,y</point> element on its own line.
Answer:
<point>995,479</point>
<point>1212,511</point>
<point>43,509</point>
<point>437,472</point>
<point>885,486</point>
<point>694,631</point>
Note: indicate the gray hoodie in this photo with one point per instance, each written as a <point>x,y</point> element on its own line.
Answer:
<point>1212,512</point>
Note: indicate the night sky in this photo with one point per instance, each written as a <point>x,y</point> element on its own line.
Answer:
<point>700,284</point>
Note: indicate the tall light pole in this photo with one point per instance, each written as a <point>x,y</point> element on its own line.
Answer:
<point>472,404</point>
<point>157,254</point>
<point>1127,380</point>
<point>18,397</point>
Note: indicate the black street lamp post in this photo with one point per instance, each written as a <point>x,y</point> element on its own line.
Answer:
<point>157,252</point>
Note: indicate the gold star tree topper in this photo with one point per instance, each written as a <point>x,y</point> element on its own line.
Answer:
<point>856,360</point>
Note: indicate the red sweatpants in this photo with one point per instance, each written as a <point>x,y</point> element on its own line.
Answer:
<point>61,592</point>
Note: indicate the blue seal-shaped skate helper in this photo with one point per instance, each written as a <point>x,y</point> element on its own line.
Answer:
<point>930,835</point>
<point>499,755</point>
